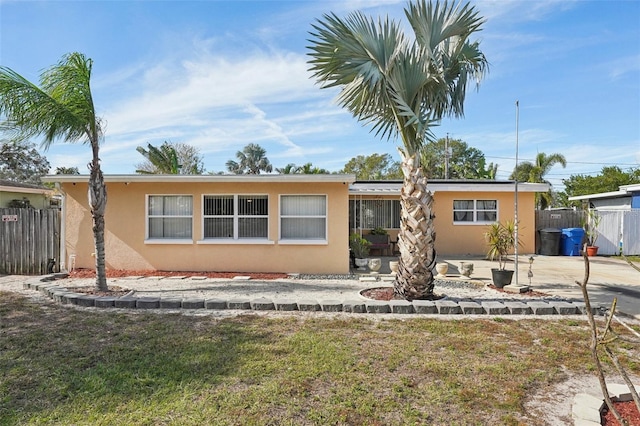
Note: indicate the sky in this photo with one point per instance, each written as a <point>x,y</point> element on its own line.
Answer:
<point>219,75</point>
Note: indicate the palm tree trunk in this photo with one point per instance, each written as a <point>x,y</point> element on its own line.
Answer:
<point>98,202</point>
<point>416,239</point>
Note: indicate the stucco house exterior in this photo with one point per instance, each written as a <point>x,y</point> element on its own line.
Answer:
<point>463,209</point>
<point>270,223</point>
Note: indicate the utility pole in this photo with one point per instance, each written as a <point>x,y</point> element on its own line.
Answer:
<point>446,157</point>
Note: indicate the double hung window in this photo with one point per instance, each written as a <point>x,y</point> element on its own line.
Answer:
<point>475,211</point>
<point>169,217</point>
<point>303,217</point>
<point>235,217</point>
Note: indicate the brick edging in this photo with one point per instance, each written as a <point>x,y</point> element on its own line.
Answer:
<point>535,307</point>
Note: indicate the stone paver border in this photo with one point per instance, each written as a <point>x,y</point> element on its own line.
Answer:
<point>64,295</point>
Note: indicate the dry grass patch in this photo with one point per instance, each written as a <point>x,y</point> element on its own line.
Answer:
<point>71,366</point>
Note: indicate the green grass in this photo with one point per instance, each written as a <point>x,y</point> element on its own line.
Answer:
<point>67,366</point>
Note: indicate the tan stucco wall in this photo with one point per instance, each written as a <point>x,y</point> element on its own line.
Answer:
<point>125,231</point>
<point>468,239</point>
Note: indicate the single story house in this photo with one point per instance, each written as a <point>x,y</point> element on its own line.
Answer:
<point>627,197</point>
<point>270,223</point>
<point>463,209</point>
<point>27,195</point>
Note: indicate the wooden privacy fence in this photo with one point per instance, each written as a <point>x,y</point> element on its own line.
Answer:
<point>29,239</point>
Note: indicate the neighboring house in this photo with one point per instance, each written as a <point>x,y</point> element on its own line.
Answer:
<point>36,196</point>
<point>235,223</point>
<point>619,226</point>
<point>271,223</point>
<point>463,209</point>
<point>627,197</point>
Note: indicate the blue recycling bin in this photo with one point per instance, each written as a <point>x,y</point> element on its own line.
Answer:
<point>572,241</point>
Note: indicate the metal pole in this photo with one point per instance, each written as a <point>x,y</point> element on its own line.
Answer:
<point>446,157</point>
<point>515,175</point>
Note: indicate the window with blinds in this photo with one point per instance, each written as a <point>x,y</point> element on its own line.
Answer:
<point>303,217</point>
<point>170,216</point>
<point>475,211</point>
<point>235,217</point>
<point>370,214</point>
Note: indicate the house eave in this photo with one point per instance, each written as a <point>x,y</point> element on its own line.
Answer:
<point>612,194</point>
<point>393,187</point>
<point>275,178</point>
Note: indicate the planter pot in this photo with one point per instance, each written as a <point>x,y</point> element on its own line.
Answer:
<point>375,265</point>
<point>442,269</point>
<point>592,251</point>
<point>501,278</point>
<point>466,269</point>
<point>362,264</point>
<point>393,266</point>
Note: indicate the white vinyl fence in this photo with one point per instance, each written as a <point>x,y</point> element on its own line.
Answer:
<point>619,228</point>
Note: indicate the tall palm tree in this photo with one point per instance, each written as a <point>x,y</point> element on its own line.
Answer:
<point>163,159</point>
<point>535,172</point>
<point>251,160</point>
<point>402,87</point>
<point>61,108</point>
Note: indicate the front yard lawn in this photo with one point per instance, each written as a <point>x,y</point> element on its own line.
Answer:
<point>69,366</point>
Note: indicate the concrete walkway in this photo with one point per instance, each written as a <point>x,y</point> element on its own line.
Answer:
<point>609,278</point>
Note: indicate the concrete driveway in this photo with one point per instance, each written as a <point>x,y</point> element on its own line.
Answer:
<point>556,275</point>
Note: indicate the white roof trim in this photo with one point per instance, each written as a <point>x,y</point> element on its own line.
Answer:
<point>280,178</point>
<point>612,194</point>
<point>23,190</point>
<point>394,188</point>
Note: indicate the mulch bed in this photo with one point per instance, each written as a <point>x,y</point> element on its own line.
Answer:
<point>627,410</point>
<point>386,294</point>
<point>120,273</point>
<point>531,293</point>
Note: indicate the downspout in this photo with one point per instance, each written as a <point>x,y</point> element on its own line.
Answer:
<point>63,229</point>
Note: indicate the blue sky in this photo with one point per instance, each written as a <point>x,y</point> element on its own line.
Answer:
<point>220,75</point>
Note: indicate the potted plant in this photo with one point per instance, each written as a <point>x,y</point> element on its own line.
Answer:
<point>360,249</point>
<point>501,240</point>
<point>591,232</point>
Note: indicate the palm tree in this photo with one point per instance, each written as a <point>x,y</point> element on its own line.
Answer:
<point>289,169</point>
<point>310,169</point>
<point>164,159</point>
<point>62,107</point>
<point>251,160</point>
<point>535,172</point>
<point>403,87</point>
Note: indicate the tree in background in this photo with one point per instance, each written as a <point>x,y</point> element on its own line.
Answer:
<point>251,160</point>
<point>402,86</point>
<point>305,169</point>
<point>62,107</point>
<point>465,162</point>
<point>171,158</point>
<point>67,171</point>
<point>609,179</point>
<point>535,173</point>
<point>373,167</point>
<point>310,169</point>
<point>20,161</point>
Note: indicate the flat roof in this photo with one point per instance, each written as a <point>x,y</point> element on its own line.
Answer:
<point>316,178</point>
<point>435,185</point>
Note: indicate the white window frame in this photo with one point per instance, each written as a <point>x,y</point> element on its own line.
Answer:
<point>304,241</point>
<point>236,216</point>
<point>147,217</point>
<point>475,212</point>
